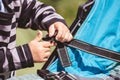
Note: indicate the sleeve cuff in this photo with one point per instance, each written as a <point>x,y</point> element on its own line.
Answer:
<point>28,53</point>
<point>50,22</point>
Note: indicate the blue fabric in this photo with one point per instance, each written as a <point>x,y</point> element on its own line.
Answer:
<point>101,28</point>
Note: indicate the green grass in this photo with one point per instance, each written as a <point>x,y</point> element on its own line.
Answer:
<point>30,70</point>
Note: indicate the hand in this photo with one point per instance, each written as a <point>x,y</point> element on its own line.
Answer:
<point>63,33</point>
<point>40,50</point>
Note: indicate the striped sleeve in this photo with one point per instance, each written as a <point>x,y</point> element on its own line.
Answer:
<point>37,15</point>
<point>16,58</point>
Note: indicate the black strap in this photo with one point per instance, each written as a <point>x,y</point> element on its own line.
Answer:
<point>61,51</point>
<point>110,54</point>
<point>84,46</point>
<point>63,55</point>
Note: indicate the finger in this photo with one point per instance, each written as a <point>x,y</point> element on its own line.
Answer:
<point>68,37</point>
<point>65,38</point>
<point>45,59</point>
<point>51,30</point>
<point>61,31</point>
<point>47,54</point>
<point>47,49</point>
<point>59,35</point>
<point>39,36</point>
<point>48,44</point>
<point>53,43</point>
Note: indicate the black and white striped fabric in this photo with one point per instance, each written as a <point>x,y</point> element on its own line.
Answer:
<point>24,14</point>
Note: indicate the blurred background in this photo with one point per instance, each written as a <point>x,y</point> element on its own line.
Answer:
<point>66,8</point>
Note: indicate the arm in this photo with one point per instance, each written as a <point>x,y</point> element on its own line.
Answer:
<point>40,16</point>
<point>16,58</point>
<point>25,55</point>
<point>37,15</point>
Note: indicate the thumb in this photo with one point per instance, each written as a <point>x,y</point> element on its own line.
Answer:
<point>39,36</point>
<point>51,30</point>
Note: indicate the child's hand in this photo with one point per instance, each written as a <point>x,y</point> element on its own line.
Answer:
<point>40,49</point>
<point>63,33</point>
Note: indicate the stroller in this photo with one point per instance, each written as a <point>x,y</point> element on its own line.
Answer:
<point>93,54</point>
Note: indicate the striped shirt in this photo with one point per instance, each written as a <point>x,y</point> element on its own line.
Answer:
<point>24,14</point>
